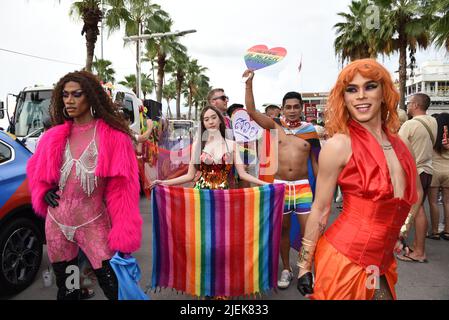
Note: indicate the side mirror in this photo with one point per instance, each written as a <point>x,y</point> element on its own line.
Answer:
<point>2,110</point>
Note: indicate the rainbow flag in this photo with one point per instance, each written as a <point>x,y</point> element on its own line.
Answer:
<point>217,242</point>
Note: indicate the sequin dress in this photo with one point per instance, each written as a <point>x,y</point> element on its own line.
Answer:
<point>214,174</point>
<point>81,204</point>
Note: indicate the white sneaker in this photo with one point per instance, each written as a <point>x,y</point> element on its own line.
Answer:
<point>286,279</point>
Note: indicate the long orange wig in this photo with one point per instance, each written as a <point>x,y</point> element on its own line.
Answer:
<point>337,115</point>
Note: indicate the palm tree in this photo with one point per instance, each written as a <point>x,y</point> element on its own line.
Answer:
<point>179,62</point>
<point>404,25</point>
<point>130,82</point>
<point>158,49</point>
<point>355,38</point>
<point>169,93</point>
<point>147,84</point>
<point>440,26</point>
<point>162,48</point>
<point>104,70</point>
<point>90,13</point>
<point>134,14</point>
<point>200,97</point>
<point>194,75</point>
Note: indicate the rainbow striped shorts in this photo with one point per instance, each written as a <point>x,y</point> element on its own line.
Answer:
<point>298,196</point>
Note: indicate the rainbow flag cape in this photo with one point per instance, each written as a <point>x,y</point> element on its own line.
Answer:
<point>217,242</point>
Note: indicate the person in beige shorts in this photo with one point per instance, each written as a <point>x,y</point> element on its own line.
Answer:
<point>440,179</point>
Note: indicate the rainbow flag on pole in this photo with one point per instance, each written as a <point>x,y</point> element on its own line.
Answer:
<point>217,242</point>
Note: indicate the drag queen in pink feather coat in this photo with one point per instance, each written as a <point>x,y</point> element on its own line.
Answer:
<point>84,181</point>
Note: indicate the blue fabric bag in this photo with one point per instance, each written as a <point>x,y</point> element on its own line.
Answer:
<point>128,275</point>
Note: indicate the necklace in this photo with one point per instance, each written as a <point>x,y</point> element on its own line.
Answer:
<point>292,124</point>
<point>384,146</point>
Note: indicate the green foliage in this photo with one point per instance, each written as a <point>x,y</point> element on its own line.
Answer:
<point>146,83</point>
<point>103,68</point>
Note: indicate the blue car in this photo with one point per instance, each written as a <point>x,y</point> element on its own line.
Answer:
<point>21,231</point>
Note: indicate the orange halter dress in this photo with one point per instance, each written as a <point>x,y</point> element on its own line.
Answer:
<point>360,243</point>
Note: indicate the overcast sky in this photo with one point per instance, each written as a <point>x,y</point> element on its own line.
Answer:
<point>225,30</point>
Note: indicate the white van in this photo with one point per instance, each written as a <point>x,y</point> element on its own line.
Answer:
<point>32,108</point>
<point>128,100</point>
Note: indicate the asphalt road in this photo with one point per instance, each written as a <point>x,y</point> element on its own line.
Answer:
<point>417,281</point>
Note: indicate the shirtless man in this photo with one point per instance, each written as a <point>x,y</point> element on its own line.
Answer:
<point>295,139</point>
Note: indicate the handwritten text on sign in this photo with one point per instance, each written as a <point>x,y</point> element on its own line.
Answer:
<point>244,128</point>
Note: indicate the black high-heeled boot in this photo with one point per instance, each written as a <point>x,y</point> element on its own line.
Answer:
<point>60,269</point>
<point>107,280</point>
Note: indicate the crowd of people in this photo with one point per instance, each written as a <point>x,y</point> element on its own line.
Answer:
<point>84,179</point>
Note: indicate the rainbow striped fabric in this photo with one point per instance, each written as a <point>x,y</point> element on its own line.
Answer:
<point>217,242</point>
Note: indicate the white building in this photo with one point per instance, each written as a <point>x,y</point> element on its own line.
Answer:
<point>432,78</point>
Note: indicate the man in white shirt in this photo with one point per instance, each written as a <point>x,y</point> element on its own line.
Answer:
<point>421,132</point>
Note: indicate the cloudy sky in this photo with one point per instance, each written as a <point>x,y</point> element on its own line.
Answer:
<point>225,30</point>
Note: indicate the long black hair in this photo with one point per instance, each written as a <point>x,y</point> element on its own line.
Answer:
<point>97,97</point>
<point>203,134</point>
<point>442,120</point>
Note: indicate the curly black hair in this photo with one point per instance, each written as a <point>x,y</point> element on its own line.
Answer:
<point>97,97</point>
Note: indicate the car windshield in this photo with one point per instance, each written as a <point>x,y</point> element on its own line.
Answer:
<point>32,109</point>
<point>179,128</point>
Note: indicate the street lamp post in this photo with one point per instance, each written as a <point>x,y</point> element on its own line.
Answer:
<point>140,37</point>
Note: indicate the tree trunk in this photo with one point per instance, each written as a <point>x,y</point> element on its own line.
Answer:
<point>91,18</point>
<point>152,71</point>
<point>179,81</point>
<point>178,100</point>
<point>196,110</point>
<point>169,114</point>
<point>160,76</point>
<point>190,104</point>
<point>402,65</point>
<point>91,39</point>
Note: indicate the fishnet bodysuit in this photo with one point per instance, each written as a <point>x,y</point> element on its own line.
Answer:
<point>80,219</point>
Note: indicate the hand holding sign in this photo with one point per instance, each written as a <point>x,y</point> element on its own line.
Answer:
<point>247,75</point>
<point>258,57</point>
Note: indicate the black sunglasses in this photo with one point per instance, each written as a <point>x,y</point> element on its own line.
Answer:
<point>224,98</point>
<point>75,94</point>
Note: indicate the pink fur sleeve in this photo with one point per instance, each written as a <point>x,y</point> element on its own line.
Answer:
<point>122,198</point>
<point>37,186</point>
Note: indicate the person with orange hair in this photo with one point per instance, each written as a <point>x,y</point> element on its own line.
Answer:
<point>353,258</point>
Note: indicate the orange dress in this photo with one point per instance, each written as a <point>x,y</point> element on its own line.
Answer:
<point>362,239</point>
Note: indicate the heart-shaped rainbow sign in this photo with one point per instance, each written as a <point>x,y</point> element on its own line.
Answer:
<point>260,56</point>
